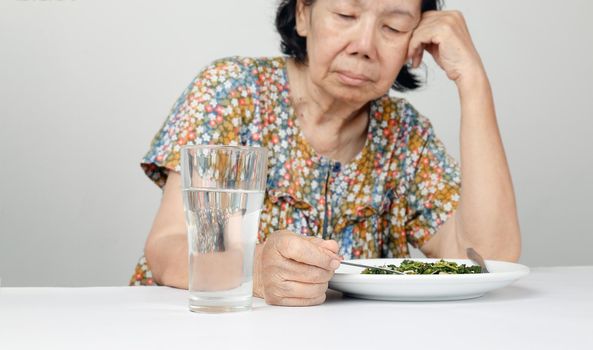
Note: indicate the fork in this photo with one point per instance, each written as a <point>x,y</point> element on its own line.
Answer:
<point>372,267</point>
<point>477,258</point>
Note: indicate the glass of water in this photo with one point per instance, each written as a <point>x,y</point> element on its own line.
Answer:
<point>223,192</point>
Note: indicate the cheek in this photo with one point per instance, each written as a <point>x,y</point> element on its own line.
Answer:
<point>393,57</point>
<point>397,48</point>
<point>324,44</point>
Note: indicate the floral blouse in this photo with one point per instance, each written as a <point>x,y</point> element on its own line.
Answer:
<point>396,192</point>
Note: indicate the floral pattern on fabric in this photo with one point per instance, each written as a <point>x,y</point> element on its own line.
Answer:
<point>396,192</point>
<point>142,276</point>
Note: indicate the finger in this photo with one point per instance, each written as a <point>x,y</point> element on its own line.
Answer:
<point>413,47</point>
<point>429,14</point>
<point>416,50</point>
<point>331,245</point>
<point>313,239</point>
<point>416,40</point>
<point>296,301</point>
<point>304,251</point>
<point>329,248</point>
<point>291,289</point>
<point>291,270</point>
<point>417,59</point>
<point>328,244</point>
<point>426,33</point>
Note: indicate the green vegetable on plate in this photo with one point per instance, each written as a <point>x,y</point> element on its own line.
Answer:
<point>411,267</point>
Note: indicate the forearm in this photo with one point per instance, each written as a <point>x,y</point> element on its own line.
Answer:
<point>168,260</point>
<point>487,217</point>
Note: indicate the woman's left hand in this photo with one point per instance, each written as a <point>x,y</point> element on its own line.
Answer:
<point>445,36</point>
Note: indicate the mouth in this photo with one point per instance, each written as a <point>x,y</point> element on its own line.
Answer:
<point>352,79</point>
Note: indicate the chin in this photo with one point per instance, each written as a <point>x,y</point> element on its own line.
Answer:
<point>356,96</point>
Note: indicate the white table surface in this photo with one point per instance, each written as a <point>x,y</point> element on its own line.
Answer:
<point>552,308</point>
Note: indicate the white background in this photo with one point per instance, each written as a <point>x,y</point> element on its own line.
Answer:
<point>85,84</point>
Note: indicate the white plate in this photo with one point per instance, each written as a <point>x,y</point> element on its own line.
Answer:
<point>350,281</point>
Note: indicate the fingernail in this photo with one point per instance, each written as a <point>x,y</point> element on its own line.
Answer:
<point>334,264</point>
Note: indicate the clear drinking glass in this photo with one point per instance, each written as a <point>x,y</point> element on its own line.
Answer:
<point>223,192</point>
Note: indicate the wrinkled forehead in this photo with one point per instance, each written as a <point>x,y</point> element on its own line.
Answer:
<point>404,8</point>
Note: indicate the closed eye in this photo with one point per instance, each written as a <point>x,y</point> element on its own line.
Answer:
<point>345,16</point>
<point>391,29</point>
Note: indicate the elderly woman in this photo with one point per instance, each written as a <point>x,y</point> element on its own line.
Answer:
<point>353,172</point>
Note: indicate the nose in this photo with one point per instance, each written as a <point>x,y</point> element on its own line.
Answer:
<point>363,40</point>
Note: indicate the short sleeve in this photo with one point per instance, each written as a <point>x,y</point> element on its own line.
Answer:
<point>211,110</point>
<point>434,188</point>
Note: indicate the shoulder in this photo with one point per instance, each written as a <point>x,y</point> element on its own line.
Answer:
<point>237,70</point>
<point>399,112</point>
<point>227,66</point>
<point>398,125</point>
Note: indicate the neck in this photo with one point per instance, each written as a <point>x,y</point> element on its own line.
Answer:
<point>316,106</point>
<point>333,127</point>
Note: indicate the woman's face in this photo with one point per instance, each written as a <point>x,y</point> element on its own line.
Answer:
<point>356,48</point>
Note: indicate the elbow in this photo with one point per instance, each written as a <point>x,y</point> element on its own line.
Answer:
<point>166,257</point>
<point>510,248</point>
<point>514,254</point>
<point>151,253</point>
<point>150,249</point>
<point>511,255</point>
<point>501,248</point>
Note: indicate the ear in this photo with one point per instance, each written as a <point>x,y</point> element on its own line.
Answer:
<point>303,14</point>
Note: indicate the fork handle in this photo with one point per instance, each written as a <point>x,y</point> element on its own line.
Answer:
<point>371,267</point>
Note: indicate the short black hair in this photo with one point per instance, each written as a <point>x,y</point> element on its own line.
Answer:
<point>294,45</point>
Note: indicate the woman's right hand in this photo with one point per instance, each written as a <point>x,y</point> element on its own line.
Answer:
<point>294,270</point>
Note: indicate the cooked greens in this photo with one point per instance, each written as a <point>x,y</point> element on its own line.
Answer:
<point>411,267</point>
